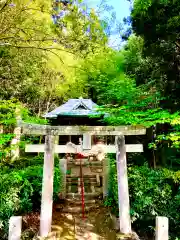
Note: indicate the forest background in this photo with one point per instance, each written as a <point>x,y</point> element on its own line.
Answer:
<point>55,50</point>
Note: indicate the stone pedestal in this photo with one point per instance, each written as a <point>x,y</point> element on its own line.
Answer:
<point>15,225</point>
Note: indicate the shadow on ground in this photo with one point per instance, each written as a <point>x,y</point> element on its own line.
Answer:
<point>96,225</point>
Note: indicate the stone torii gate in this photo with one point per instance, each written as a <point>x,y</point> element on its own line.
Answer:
<point>49,148</point>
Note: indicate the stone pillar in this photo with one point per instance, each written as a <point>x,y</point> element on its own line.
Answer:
<point>86,141</point>
<point>63,169</point>
<point>1,129</point>
<point>123,191</point>
<point>17,136</point>
<point>162,228</point>
<point>105,177</point>
<point>15,225</point>
<point>56,142</point>
<point>47,187</point>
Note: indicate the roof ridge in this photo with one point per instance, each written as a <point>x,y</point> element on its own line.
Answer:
<point>71,106</point>
<point>81,103</point>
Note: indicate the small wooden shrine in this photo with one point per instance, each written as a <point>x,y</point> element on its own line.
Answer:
<point>75,112</point>
<point>80,165</point>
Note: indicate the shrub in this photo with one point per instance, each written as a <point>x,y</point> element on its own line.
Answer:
<point>152,193</point>
<point>21,191</point>
<point>21,163</point>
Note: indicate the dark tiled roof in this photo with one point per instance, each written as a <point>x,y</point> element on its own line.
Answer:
<point>74,107</point>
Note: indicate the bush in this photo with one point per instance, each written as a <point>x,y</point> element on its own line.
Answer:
<point>21,191</point>
<point>21,163</point>
<point>152,193</point>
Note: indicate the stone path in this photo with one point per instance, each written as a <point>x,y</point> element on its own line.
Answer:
<point>96,226</point>
<point>67,218</point>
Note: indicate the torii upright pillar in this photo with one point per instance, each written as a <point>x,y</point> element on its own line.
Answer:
<point>47,187</point>
<point>123,190</point>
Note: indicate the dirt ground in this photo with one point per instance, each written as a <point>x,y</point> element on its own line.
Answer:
<point>65,226</point>
<point>96,225</point>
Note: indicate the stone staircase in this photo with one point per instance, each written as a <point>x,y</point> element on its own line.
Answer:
<point>91,182</point>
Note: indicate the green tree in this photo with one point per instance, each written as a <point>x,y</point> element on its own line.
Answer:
<point>105,81</point>
<point>78,29</point>
<point>37,62</point>
<point>158,22</point>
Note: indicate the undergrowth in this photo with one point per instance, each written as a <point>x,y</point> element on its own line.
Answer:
<point>153,192</point>
<point>21,186</point>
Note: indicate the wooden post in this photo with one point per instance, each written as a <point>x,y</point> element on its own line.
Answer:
<point>123,191</point>
<point>63,169</point>
<point>47,187</point>
<point>15,225</point>
<point>162,228</point>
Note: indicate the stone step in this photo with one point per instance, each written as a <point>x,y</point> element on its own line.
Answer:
<point>87,196</point>
<point>84,177</point>
<point>86,190</point>
<point>94,164</point>
<point>76,209</point>
<point>85,180</point>
<point>79,202</point>
<point>75,181</point>
<point>78,176</point>
<point>89,188</point>
<point>86,185</point>
<point>75,203</point>
<point>94,182</point>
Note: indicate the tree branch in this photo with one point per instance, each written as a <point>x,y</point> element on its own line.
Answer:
<point>31,47</point>
<point>5,5</point>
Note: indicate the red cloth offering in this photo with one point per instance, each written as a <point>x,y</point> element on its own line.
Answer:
<point>80,155</point>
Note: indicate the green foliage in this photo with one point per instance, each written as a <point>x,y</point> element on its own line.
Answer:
<point>124,115</point>
<point>152,193</point>
<point>39,58</point>
<point>40,61</point>
<point>5,147</point>
<point>9,111</point>
<point>163,27</point>
<point>79,29</point>
<point>105,81</point>
<point>139,66</point>
<point>21,189</point>
<point>158,23</point>
<point>130,86</point>
<point>139,106</point>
